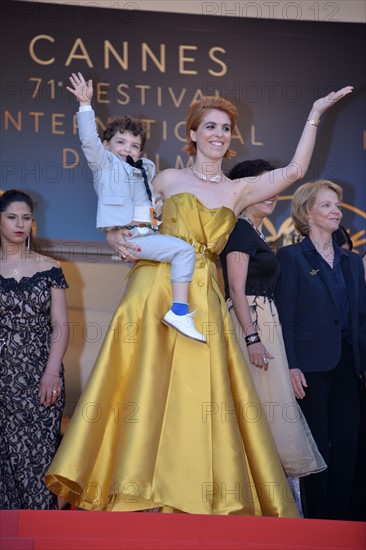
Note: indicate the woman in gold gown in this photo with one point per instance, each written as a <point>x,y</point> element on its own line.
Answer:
<point>164,421</point>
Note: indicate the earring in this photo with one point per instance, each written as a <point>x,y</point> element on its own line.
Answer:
<point>27,243</point>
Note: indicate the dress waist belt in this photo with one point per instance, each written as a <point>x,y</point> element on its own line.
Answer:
<point>201,249</point>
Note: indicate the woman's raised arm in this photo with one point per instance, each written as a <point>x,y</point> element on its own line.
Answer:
<point>272,183</point>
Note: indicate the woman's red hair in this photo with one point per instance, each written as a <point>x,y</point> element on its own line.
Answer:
<point>196,113</point>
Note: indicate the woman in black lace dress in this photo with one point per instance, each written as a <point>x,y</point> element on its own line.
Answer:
<point>33,340</point>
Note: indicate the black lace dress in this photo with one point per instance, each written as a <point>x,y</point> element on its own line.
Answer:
<point>29,431</point>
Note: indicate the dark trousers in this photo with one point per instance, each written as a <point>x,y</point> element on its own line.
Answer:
<point>332,409</point>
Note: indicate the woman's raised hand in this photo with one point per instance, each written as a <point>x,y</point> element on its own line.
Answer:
<point>324,103</point>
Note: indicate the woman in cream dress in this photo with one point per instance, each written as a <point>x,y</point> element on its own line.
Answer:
<point>250,271</point>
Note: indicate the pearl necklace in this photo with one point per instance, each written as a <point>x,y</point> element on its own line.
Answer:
<point>244,217</point>
<point>214,179</point>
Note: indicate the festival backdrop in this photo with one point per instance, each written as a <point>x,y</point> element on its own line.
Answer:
<point>152,65</point>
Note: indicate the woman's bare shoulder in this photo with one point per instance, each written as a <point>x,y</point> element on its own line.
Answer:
<point>168,177</point>
<point>44,262</point>
<point>170,172</point>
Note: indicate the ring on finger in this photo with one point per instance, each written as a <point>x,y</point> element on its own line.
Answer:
<point>265,359</point>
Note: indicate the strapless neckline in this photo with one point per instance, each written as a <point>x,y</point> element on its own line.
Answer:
<point>201,203</point>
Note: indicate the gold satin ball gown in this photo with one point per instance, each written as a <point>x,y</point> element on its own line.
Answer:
<point>165,421</point>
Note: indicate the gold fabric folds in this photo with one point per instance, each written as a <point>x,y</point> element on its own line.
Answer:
<point>165,420</point>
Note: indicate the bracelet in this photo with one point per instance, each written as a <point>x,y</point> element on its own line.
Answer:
<point>252,339</point>
<point>106,229</point>
<point>254,342</point>
<point>313,122</point>
<point>54,375</point>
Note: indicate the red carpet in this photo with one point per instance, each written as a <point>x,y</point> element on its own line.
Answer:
<point>78,530</point>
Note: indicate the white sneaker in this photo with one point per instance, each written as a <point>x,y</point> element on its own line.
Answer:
<point>183,324</point>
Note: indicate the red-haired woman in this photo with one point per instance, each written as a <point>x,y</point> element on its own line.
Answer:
<point>179,423</point>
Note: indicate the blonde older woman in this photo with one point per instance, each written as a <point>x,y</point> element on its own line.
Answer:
<point>321,299</point>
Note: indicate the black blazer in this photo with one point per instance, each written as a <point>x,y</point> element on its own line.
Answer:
<point>308,310</point>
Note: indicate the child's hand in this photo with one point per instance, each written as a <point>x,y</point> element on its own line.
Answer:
<point>83,91</point>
